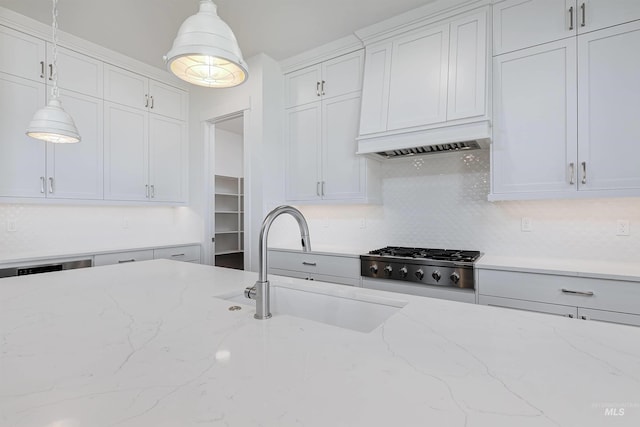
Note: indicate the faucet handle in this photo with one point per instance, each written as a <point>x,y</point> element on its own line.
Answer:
<point>250,292</point>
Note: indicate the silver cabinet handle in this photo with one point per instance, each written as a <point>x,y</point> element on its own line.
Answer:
<point>42,69</point>
<point>317,188</point>
<point>122,261</point>
<point>583,8</point>
<point>570,316</point>
<point>584,318</point>
<point>323,83</point>
<point>317,88</point>
<point>571,18</point>
<point>582,293</point>
<point>312,264</point>
<point>153,191</point>
<point>584,172</point>
<point>146,191</point>
<point>151,98</point>
<point>146,101</point>
<point>572,173</point>
<point>322,187</point>
<point>42,184</point>
<point>51,72</point>
<point>177,255</point>
<point>50,185</point>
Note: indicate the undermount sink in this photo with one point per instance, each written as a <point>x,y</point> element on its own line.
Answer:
<point>361,313</point>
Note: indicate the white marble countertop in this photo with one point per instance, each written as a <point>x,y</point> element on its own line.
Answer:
<point>563,266</point>
<point>149,344</point>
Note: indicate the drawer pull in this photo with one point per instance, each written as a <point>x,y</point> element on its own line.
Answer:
<point>569,291</point>
<point>177,255</point>
<point>312,264</point>
<point>122,261</point>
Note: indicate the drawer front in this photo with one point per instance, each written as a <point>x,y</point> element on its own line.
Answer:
<point>313,276</point>
<point>179,253</point>
<point>538,307</point>
<point>311,263</point>
<point>602,294</point>
<point>123,257</point>
<point>608,316</point>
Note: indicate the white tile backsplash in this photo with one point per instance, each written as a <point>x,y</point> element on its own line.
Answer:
<point>441,201</point>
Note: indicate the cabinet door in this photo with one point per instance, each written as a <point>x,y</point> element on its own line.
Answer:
<point>22,55</point>
<point>343,172</point>
<point>166,158</point>
<point>303,86</point>
<point>75,171</point>
<point>419,70</point>
<point>534,138</point>
<point>538,307</point>
<point>609,111</point>
<point>375,89</point>
<point>167,100</point>
<point>303,127</point>
<point>524,23</point>
<point>22,159</point>
<point>598,14</point>
<point>125,151</point>
<point>467,67</point>
<point>77,72</point>
<point>126,88</point>
<point>342,75</point>
<point>608,316</point>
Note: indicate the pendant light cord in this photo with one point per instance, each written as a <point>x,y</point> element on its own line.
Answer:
<point>54,63</point>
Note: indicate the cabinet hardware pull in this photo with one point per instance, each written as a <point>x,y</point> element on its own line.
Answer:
<point>146,101</point>
<point>50,185</point>
<point>572,172</point>
<point>151,97</point>
<point>42,184</point>
<point>322,188</point>
<point>571,18</point>
<point>312,264</point>
<point>584,317</point>
<point>570,316</point>
<point>584,15</point>
<point>42,69</point>
<point>569,291</point>
<point>146,191</point>
<point>584,172</point>
<point>317,88</point>
<point>122,261</point>
<point>153,191</point>
<point>51,72</point>
<point>323,83</point>
<point>177,255</point>
<point>317,188</point>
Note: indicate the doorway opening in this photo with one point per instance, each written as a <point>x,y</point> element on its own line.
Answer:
<point>229,193</point>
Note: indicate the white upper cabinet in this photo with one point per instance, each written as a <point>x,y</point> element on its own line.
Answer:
<point>430,77</point>
<point>334,77</point>
<point>167,157</point>
<point>565,112</point>
<point>77,72</point>
<point>609,108</point>
<point>523,23</point>
<point>22,55</point>
<point>321,161</point>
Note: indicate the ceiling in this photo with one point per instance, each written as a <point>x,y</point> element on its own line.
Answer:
<point>144,29</point>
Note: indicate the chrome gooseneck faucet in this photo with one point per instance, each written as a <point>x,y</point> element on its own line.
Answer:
<point>260,291</point>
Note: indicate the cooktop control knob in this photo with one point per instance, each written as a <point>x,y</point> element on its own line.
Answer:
<point>455,277</point>
<point>373,268</point>
<point>419,274</point>
<point>436,276</point>
<point>387,270</point>
<point>403,271</point>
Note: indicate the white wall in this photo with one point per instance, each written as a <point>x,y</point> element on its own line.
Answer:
<point>443,203</point>
<point>45,230</point>
<point>228,154</point>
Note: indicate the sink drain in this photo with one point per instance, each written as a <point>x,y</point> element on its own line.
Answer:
<point>235,308</point>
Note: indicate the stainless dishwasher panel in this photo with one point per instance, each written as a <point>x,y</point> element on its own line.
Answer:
<point>44,268</point>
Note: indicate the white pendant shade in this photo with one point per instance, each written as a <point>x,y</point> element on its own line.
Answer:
<point>52,124</point>
<point>205,51</point>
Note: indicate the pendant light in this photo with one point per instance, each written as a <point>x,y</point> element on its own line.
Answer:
<point>205,51</point>
<point>51,123</point>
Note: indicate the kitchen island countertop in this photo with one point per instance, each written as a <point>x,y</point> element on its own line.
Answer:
<point>151,344</point>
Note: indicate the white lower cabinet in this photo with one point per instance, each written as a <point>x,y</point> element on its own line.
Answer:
<point>188,253</point>
<point>179,253</point>
<point>584,298</point>
<point>122,257</point>
<point>341,269</point>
